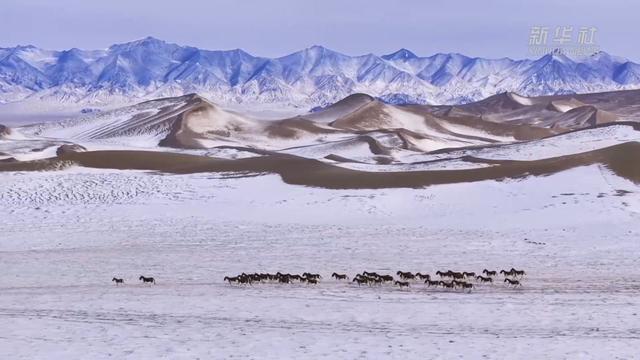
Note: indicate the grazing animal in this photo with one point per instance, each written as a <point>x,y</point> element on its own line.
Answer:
<point>147,279</point>
<point>423,276</point>
<point>484,279</point>
<point>401,284</point>
<point>386,278</point>
<point>118,281</point>
<point>434,283</point>
<point>512,282</point>
<point>312,281</point>
<point>373,274</point>
<point>284,280</point>
<point>489,273</point>
<point>457,275</point>
<point>231,279</point>
<point>339,276</point>
<point>360,281</point>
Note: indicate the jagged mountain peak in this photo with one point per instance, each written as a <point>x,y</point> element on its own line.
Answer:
<point>146,41</point>
<point>402,54</point>
<point>314,76</point>
<point>315,51</point>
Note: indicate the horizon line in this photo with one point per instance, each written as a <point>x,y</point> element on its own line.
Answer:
<point>149,37</point>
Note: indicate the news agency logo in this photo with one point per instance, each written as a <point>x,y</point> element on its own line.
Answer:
<point>563,39</point>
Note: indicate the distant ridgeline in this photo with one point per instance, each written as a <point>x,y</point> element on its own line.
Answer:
<point>316,76</point>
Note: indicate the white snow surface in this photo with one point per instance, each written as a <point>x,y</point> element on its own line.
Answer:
<point>65,234</point>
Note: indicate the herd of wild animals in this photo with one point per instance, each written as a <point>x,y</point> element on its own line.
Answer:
<point>446,279</point>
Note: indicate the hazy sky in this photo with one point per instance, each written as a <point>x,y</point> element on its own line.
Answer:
<point>278,27</point>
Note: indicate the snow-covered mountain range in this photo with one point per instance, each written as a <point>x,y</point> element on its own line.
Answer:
<point>316,76</point>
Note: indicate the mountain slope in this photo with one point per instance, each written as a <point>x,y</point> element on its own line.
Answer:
<point>316,76</point>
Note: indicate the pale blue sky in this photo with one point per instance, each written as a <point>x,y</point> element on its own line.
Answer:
<point>488,28</point>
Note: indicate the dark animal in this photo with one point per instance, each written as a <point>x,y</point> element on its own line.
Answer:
<point>240,279</point>
<point>489,273</point>
<point>520,273</point>
<point>147,279</point>
<point>312,281</point>
<point>484,279</point>
<point>406,275</point>
<point>118,281</point>
<point>339,276</point>
<point>469,274</point>
<point>467,286</point>
<point>423,276</point>
<point>511,272</point>
<point>512,282</point>
<point>386,278</point>
<point>231,279</point>
<point>360,281</point>
<point>430,283</point>
<point>312,276</point>
<point>445,284</point>
<point>401,284</point>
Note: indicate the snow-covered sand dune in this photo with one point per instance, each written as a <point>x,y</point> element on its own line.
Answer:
<point>357,133</point>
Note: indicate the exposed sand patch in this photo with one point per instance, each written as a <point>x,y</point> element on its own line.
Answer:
<point>621,159</point>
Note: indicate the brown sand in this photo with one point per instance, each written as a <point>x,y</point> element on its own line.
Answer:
<point>621,159</point>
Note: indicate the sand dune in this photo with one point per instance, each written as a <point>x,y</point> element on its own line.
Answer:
<point>564,105</point>
<point>341,108</point>
<point>621,159</point>
<point>583,116</point>
<point>551,111</point>
<point>193,122</point>
<point>357,142</point>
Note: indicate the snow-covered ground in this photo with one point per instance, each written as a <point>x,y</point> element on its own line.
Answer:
<point>65,234</point>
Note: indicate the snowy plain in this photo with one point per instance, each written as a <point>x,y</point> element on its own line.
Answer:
<point>65,234</point>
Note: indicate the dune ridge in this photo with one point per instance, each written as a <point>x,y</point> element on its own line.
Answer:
<point>620,159</point>
<point>359,142</point>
